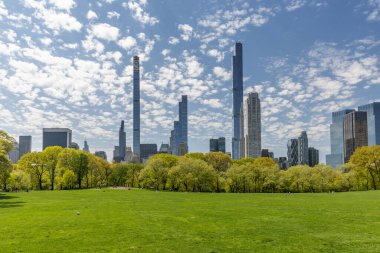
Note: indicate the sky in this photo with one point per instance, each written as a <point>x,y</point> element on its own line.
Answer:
<point>69,64</point>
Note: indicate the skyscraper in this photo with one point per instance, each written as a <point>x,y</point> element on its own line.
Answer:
<point>336,139</point>
<point>25,145</point>
<point>101,154</point>
<point>237,89</point>
<point>313,156</point>
<point>56,137</point>
<point>86,148</point>
<point>147,150</point>
<point>355,132</point>
<point>373,122</point>
<point>292,152</point>
<point>303,147</point>
<point>182,114</point>
<point>253,122</point>
<point>218,145</point>
<point>179,136</point>
<point>122,141</point>
<point>14,154</point>
<point>136,105</point>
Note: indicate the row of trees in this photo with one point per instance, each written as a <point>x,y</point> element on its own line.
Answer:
<point>58,168</point>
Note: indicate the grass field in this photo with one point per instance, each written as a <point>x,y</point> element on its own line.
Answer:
<point>148,221</point>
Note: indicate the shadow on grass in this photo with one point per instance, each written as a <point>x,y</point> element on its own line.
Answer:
<point>6,204</point>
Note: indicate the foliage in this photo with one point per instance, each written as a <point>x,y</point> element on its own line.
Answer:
<point>6,142</point>
<point>5,170</point>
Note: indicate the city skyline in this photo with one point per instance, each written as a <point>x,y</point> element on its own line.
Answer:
<point>81,77</point>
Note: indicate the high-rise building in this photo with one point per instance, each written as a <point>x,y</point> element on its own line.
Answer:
<point>237,89</point>
<point>266,153</point>
<point>116,156</point>
<point>303,147</point>
<point>25,145</point>
<point>86,148</point>
<point>243,140</point>
<point>373,122</point>
<point>74,145</point>
<point>292,152</point>
<point>122,141</point>
<point>128,155</point>
<point>164,148</point>
<point>282,162</point>
<point>355,132</point>
<point>179,136</point>
<point>101,154</point>
<point>56,137</point>
<point>136,105</point>
<point>147,150</point>
<point>218,145</point>
<point>313,156</point>
<point>14,154</point>
<point>336,139</point>
<point>253,123</point>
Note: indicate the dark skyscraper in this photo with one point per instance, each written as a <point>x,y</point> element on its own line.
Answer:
<point>25,145</point>
<point>313,156</point>
<point>56,137</point>
<point>86,147</point>
<point>122,141</point>
<point>373,122</point>
<point>218,145</point>
<point>147,150</point>
<point>292,152</point>
<point>355,132</point>
<point>136,105</point>
<point>237,88</point>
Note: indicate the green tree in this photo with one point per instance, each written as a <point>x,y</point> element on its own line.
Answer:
<point>82,168</point>
<point>6,142</point>
<point>68,179</point>
<point>50,157</point>
<point>5,170</point>
<point>33,163</point>
<point>199,156</point>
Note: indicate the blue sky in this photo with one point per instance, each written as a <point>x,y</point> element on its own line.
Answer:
<point>68,64</point>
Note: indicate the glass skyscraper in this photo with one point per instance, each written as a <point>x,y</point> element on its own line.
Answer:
<point>303,147</point>
<point>292,152</point>
<point>56,137</point>
<point>373,122</point>
<point>218,145</point>
<point>179,136</point>
<point>237,88</point>
<point>25,145</point>
<point>355,132</point>
<point>122,141</point>
<point>136,105</point>
<point>336,138</point>
<point>253,126</point>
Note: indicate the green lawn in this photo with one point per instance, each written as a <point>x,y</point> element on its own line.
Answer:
<point>148,221</point>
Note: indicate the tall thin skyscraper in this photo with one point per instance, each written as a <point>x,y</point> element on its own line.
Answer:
<point>136,105</point>
<point>122,141</point>
<point>25,145</point>
<point>86,148</point>
<point>182,114</point>
<point>253,122</point>
<point>292,152</point>
<point>237,88</point>
<point>336,139</point>
<point>355,132</point>
<point>373,122</point>
<point>303,147</point>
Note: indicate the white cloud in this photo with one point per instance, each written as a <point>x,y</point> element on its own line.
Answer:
<point>295,4</point>
<point>127,42</point>
<point>46,41</point>
<point>173,40</point>
<point>63,4</point>
<point>91,15</point>
<point>216,54</point>
<point>105,31</point>
<point>112,14</point>
<point>222,73</point>
<point>213,102</point>
<point>139,14</point>
<point>186,30</point>
<point>374,13</point>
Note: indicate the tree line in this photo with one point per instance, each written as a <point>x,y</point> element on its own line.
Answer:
<point>57,168</point>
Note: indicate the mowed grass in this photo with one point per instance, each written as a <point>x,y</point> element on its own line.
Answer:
<point>148,221</point>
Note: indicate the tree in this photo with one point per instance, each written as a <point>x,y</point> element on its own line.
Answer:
<point>367,159</point>
<point>5,170</point>
<point>82,168</point>
<point>6,142</point>
<point>33,163</point>
<point>220,162</point>
<point>199,156</point>
<point>68,179</point>
<point>50,157</point>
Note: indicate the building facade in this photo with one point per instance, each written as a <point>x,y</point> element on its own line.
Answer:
<point>292,152</point>
<point>335,159</point>
<point>147,150</point>
<point>313,156</point>
<point>86,148</point>
<point>56,137</point>
<point>373,122</point>
<point>303,147</point>
<point>355,132</point>
<point>136,105</point>
<point>101,154</point>
<point>14,154</point>
<point>122,141</point>
<point>179,135</point>
<point>25,145</point>
<point>237,89</point>
<point>218,145</point>
<point>253,126</point>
